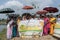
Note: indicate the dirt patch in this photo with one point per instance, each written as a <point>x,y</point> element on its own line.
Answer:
<point>48,37</point>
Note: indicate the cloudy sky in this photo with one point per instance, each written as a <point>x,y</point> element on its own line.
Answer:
<point>17,5</point>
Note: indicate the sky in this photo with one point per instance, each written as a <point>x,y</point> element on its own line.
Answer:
<point>17,5</point>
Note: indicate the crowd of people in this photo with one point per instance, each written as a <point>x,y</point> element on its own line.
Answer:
<point>48,27</point>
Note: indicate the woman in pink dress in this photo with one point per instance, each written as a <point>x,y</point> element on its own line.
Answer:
<point>46,26</point>
<point>9,30</point>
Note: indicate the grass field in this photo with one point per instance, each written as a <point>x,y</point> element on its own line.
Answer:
<point>3,34</point>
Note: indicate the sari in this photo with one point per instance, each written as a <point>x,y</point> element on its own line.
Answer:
<point>46,26</point>
<point>18,21</point>
<point>14,30</point>
<point>52,25</point>
<point>9,30</point>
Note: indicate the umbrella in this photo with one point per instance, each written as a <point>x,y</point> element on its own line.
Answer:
<point>51,9</point>
<point>7,10</point>
<point>42,12</point>
<point>27,7</point>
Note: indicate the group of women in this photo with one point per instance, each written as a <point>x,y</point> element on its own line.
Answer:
<point>12,25</point>
<point>49,24</point>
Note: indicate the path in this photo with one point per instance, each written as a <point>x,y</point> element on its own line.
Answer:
<point>48,37</point>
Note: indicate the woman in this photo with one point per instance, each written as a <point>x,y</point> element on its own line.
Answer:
<point>18,21</point>
<point>24,16</point>
<point>52,24</point>
<point>14,30</point>
<point>46,26</point>
<point>9,29</point>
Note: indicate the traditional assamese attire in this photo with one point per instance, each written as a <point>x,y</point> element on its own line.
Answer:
<point>52,25</point>
<point>14,30</point>
<point>9,30</point>
<point>46,26</point>
<point>18,21</point>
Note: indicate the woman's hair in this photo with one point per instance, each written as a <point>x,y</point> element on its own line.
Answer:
<point>24,14</point>
<point>27,15</point>
<point>19,18</point>
<point>9,19</point>
<point>33,16</point>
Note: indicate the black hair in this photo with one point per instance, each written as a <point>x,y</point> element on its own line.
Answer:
<point>28,15</point>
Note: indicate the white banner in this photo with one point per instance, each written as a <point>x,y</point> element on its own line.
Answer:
<point>31,27</point>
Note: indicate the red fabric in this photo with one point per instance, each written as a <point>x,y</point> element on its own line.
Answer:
<point>46,26</point>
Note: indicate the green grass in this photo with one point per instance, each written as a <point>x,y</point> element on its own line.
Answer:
<point>3,34</point>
